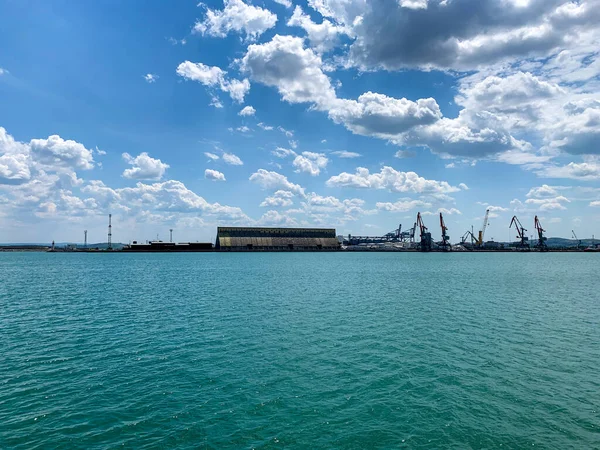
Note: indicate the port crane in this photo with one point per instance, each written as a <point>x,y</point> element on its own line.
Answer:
<point>520,232</point>
<point>425,235</point>
<point>482,231</point>
<point>541,243</point>
<point>469,234</point>
<point>577,239</point>
<point>445,243</point>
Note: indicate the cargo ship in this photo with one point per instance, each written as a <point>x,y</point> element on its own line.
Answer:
<point>160,246</point>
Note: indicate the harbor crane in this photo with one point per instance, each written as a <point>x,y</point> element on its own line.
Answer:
<point>425,235</point>
<point>520,232</point>
<point>541,243</point>
<point>445,243</point>
<point>482,231</point>
<point>411,231</point>
<point>577,239</point>
<point>468,234</point>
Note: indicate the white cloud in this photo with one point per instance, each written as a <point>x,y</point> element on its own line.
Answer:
<point>392,180</point>
<point>311,163</point>
<point>232,159</point>
<point>285,64</point>
<point>497,209</point>
<point>463,35</point>
<point>265,127</point>
<point>144,167</point>
<point>322,36</point>
<point>286,3</point>
<point>346,154</point>
<point>247,111</point>
<point>463,186</point>
<point>297,74</point>
<point>542,191</point>
<point>277,218</point>
<point>288,133</point>
<point>214,175</point>
<point>449,212</point>
<point>15,160</point>
<point>281,152</point>
<point>3,71</point>
<point>403,205</point>
<point>151,78</point>
<point>211,156</point>
<point>236,16</point>
<point>214,77</point>
<point>55,151</point>
<point>414,4</point>
<point>382,116</point>
<point>577,171</point>
<point>273,180</point>
<point>243,129</point>
<point>595,204</point>
<point>548,204</point>
<point>279,199</point>
<point>405,154</point>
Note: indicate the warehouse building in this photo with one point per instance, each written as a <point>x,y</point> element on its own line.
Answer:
<point>276,239</point>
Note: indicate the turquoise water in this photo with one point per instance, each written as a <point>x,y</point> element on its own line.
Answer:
<point>349,351</point>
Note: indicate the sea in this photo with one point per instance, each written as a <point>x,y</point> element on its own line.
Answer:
<point>299,351</point>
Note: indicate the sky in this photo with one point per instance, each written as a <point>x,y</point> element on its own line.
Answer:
<point>353,114</point>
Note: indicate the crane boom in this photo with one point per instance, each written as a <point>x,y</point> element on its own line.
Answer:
<point>541,244</point>
<point>482,231</point>
<point>425,235</point>
<point>520,232</point>
<point>445,244</point>
<point>577,239</point>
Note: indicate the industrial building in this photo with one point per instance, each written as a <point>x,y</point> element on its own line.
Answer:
<point>276,239</point>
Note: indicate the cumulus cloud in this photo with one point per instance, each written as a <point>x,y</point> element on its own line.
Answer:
<point>293,70</point>
<point>542,191</point>
<point>548,204</point>
<point>15,161</point>
<point>247,111</point>
<point>449,212</point>
<point>296,72</point>
<point>459,35</point>
<point>273,180</point>
<point>322,36</point>
<point>281,152</point>
<point>232,159</point>
<point>214,175</point>
<point>286,3</point>
<point>277,218</point>
<point>595,204</point>
<point>211,156</point>
<point>310,162</point>
<point>577,171</point>
<point>238,17</point>
<point>385,117</point>
<point>144,167</point>
<point>279,199</point>
<point>214,77</point>
<point>55,151</point>
<point>392,180</point>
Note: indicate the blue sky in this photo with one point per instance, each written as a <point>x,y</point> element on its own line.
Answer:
<point>352,114</point>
